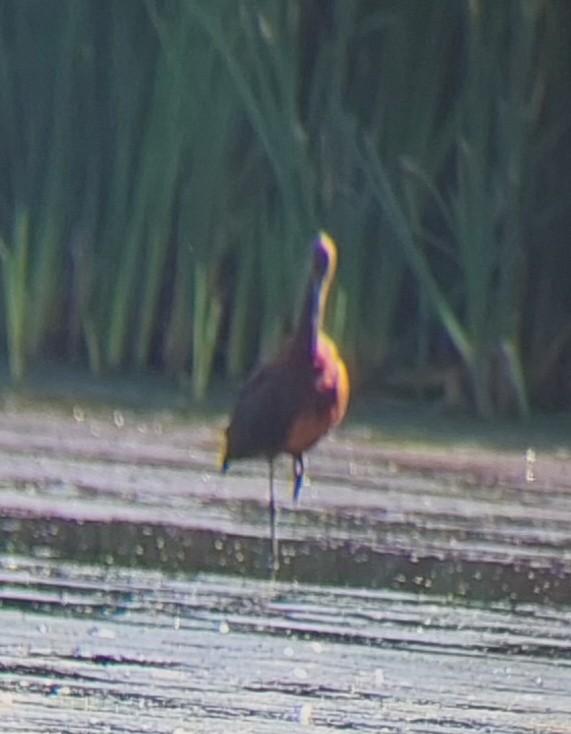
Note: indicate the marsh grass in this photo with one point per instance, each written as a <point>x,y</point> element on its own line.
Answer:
<point>166,162</point>
<point>485,206</point>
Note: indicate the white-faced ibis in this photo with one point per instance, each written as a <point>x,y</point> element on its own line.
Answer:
<point>291,402</point>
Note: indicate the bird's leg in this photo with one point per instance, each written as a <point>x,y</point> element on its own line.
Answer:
<point>275,561</point>
<point>298,473</point>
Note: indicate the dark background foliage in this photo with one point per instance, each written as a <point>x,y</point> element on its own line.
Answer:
<point>165,162</point>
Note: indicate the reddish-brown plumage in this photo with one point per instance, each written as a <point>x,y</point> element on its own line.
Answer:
<point>325,404</point>
<point>291,402</point>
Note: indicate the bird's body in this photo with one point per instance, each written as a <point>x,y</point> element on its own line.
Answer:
<point>291,402</point>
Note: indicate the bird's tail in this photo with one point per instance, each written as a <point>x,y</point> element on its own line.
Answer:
<point>223,463</point>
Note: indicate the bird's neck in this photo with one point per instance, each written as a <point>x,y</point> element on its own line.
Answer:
<point>311,319</point>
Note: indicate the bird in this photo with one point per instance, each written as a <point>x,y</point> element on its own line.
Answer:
<point>291,402</point>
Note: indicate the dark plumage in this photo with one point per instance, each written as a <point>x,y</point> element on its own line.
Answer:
<point>291,402</point>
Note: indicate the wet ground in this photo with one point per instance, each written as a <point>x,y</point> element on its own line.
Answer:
<point>421,589</point>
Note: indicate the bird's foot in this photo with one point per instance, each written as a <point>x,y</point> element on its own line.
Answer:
<point>297,487</point>
<point>299,475</point>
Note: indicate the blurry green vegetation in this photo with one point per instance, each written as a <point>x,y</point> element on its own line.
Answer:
<point>165,162</point>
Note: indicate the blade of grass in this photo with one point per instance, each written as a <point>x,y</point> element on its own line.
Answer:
<point>15,271</point>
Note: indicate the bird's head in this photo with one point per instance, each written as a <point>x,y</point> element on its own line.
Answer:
<point>324,258</point>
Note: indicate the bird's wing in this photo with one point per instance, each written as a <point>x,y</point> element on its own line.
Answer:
<point>264,411</point>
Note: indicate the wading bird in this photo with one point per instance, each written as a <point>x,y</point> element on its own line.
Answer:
<point>291,402</point>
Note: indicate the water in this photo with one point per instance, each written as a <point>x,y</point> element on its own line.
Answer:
<point>421,594</point>
<point>87,650</point>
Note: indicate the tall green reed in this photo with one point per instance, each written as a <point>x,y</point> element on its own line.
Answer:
<point>119,256</point>
<point>15,271</point>
<point>169,161</point>
<point>262,63</point>
<point>546,338</point>
<point>40,50</point>
<point>205,122</point>
<point>485,209</point>
<point>489,206</point>
<point>369,58</point>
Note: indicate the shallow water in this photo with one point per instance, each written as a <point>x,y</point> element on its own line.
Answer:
<point>417,592</point>
<point>82,649</point>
